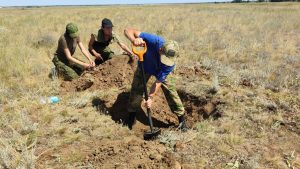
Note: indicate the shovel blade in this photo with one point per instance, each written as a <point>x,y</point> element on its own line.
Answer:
<point>152,135</point>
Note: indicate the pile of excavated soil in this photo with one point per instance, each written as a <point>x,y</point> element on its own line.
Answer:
<point>115,72</point>
<point>126,152</point>
<point>118,73</point>
<point>130,152</point>
<point>133,151</point>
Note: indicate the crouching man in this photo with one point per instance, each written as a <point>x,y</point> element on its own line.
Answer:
<point>68,66</point>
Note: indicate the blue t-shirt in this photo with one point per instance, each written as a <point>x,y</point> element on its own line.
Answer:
<point>152,63</point>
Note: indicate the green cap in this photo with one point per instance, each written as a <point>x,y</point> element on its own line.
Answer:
<point>170,51</point>
<point>107,23</point>
<point>72,30</point>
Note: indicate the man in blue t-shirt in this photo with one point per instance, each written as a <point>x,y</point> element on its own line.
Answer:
<point>159,61</point>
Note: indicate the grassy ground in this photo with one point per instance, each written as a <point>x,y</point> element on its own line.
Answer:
<point>252,52</point>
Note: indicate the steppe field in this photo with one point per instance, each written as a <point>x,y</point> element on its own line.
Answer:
<point>238,76</point>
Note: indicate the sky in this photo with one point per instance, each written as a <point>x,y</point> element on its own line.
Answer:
<point>91,2</point>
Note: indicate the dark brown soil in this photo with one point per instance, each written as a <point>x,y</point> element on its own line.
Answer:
<point>115,72</point>
<point>118,73</point>
<point>136,153</point>
<point>131,152</point>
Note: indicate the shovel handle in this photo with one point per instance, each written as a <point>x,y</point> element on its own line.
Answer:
<point>146,97</point>
<point>140,53</point>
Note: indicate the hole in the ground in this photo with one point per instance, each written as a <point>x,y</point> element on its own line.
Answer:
<point>116,73</point>
<point>199,108</point>
<point>118,111</point>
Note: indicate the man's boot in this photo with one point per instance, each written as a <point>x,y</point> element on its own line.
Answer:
<point>130,121</point>
<point>182,124</point>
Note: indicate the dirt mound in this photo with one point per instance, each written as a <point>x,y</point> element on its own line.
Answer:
<point>130,152</point>
<point>118,73</point>
<point>133,151</point>
<point>115,72</point>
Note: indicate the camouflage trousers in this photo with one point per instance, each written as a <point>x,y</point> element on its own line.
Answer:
<point>67,71</point>
<point>168,88</point>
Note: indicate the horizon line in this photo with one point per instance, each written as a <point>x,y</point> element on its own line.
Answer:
<point>117,4</point>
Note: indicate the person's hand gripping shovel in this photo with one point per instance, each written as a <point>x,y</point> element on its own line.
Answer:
<point>140,51</point>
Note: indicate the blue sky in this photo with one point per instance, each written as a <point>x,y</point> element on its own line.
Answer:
<point>90,2</point>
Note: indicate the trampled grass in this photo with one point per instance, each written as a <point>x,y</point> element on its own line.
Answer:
<point>257,44</point>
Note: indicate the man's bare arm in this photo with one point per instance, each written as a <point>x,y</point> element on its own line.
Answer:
<point>131,34</point>
<point>95,53</point>
<point>134,36</point>
<point>85,53</point>
<point>72,59</point>
<point>125,48</point>
<point>154,88</point>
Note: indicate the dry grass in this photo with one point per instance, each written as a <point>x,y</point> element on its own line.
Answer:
<point>254,43</point>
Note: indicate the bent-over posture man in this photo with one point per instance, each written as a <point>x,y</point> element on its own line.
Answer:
<point>159,61</point>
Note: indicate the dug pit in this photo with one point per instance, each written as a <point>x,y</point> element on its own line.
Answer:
<point>132,151</point>
<point>118,73</point>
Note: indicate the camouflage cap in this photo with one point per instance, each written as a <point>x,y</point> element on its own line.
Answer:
<point>170,51</point>
<point>72,30</point>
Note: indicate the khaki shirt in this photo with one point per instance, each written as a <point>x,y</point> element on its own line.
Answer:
<point>66,42</point>
<point>100,38</point>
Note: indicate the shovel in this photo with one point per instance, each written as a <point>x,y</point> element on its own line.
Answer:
<point>153,133</point>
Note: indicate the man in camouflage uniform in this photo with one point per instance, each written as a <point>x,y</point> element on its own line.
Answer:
<point>99,44</point>
<point>159,61</point>
<point>66,65</point>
